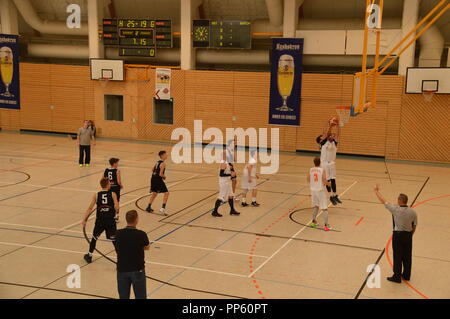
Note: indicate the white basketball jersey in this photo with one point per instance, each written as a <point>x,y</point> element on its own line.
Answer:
<point>328,152</point>
<point>315,179</point>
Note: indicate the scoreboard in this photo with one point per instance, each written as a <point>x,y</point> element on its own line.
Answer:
<point>137,37</point>
<point>222,34</point>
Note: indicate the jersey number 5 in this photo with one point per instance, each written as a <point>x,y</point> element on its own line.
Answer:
<point>104,199</point>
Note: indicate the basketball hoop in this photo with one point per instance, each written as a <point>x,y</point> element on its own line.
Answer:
<point>428,95</point>
<point>103,81</point>
<point>343,113</point>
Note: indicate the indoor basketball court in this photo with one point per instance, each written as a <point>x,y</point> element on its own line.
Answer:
<point>366,81</point>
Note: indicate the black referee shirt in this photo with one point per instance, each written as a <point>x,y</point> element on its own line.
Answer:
<point>130,243</point>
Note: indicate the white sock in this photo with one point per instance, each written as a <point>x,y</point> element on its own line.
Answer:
<point>254,199</point>
<point>90,254</point>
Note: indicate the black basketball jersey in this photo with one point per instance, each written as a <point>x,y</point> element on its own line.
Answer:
<point>105,205</point>
<point>111,174</point>
<point>157,169</point>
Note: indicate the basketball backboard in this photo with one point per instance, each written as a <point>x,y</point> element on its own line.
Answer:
<point>359,95</point>
<point>420,80</point>
<point>111,70</point>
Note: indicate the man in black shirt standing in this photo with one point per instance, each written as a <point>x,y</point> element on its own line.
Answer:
<point>130,246</point>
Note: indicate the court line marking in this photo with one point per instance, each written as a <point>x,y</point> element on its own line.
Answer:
<point>290,239</point>
<point>384,249</point>
<point>359,221</point>
<point>112,257</point>
<point>130,201</point>
<point>152,241</point>
<point>46,187</point>
<point>390,239</point>
<point>63,188</point>
<point>225,241</point>
<point>53,289</point>
<point>92,215</point>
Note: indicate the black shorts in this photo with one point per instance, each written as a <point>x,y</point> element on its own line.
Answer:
<point>107,225</point>
<point>158,186</point>
<point>116,189</point>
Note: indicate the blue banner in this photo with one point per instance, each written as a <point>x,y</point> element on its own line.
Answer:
<point>9,72</point>
<point>286,81</point>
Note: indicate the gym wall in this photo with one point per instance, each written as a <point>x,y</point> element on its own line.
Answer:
<point>59,97</point>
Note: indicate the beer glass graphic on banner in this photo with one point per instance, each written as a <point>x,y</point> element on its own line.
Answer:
<point>285,77</point>
<point>6,69</point>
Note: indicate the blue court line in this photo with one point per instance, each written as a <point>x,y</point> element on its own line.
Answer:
<point>53,185</point>
<point>227,240</point>
<point>46,233</point>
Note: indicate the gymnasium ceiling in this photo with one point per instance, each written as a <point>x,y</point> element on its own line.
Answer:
<point>233,9</point>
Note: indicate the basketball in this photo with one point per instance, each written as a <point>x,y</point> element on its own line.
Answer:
<point>334,121</point>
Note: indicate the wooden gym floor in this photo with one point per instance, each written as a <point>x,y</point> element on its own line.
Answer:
<point>264,253</point>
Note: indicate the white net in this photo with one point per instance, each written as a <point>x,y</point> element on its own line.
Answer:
<point>103,81</point>
<point>428,95</point>
<point>343,113</point>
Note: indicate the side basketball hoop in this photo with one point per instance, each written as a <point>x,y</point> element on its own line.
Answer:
<point>428,95</point>
<point>343,113</point>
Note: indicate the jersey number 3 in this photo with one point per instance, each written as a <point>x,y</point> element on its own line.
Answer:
<point>316,178</point>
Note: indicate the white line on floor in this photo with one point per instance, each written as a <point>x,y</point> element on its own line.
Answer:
<point>112,257</point>
<point>291,238</point>
<point>64,188</point>
<point>130,201</point>
<point>158,242</point>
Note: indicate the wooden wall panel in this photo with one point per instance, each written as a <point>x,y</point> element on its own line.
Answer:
<point>425,128</point>
<point>53,98</point>
<point>401,127</point>
<point>35,112</point>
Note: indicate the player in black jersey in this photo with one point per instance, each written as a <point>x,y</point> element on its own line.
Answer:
<point>107,206</point>
<point>115,179</point>
<point>157,183</point>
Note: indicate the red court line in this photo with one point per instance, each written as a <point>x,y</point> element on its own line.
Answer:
<point>255,242</point>
<point>390,239</point>
<point>359,220</point>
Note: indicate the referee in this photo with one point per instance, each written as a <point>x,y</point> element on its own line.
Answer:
<point>405,224</point>
<point>130,246</point>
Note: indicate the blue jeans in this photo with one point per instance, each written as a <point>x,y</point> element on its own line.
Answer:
<point>136,278</point>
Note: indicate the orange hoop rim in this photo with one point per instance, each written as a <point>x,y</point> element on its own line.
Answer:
<point>343,107</point>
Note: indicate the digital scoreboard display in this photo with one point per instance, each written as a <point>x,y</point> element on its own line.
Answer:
<point>222,34</point>
<point>137,37</point>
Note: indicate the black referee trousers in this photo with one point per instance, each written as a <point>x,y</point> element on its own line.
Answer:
<point>402,250</point>
<point>85,154</point>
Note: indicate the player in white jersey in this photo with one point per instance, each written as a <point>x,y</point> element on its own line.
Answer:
<point>249,177</point>
<point>328,149</point>
<point>226,172</point>
<point>317,179</point>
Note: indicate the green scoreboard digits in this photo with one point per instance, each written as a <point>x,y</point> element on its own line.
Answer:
<point>222,34</point>
<point>137,37</point>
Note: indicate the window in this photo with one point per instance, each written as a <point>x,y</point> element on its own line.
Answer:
<point>163,111</point>
<point>114,107</point>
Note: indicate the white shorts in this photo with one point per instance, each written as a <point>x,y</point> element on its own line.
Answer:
<point>330,170</point>
<point>225,190</point>
<point>319,198</point>
<point>245,184</point>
